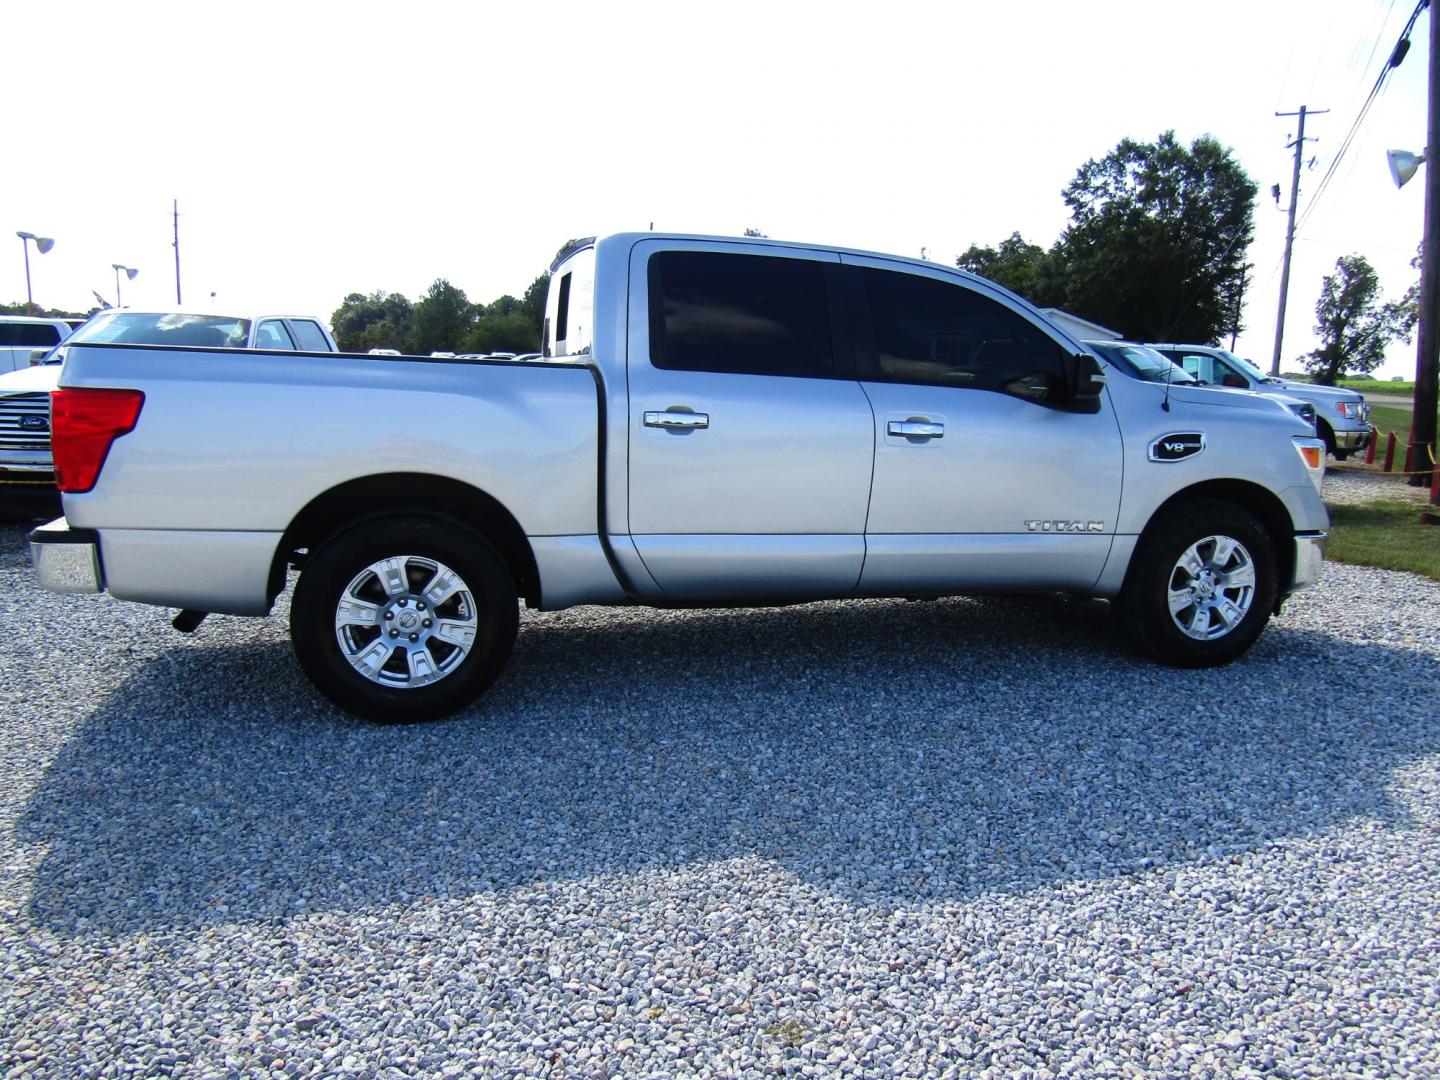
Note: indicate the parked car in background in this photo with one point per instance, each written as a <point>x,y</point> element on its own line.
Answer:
<point>1342,417</point>
<point>21,335</point>
<point>1143,362</point>
<point>27,467</point>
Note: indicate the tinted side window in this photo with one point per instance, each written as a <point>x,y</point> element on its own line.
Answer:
<point>562,310</point>
<point>746,314</point>
<point>944,334</point>
<point>32,335</point>
<point>309,335</point>
<point>272,335</point>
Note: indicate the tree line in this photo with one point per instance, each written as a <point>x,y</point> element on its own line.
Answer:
<point>1156,250</point>
<point>443,320</point>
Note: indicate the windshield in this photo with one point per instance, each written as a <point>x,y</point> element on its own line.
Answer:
<point>1143,363</point>
<point>150,328</point>
<point>1246,366</point>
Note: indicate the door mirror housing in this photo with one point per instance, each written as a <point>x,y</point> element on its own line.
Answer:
<point>1234,381</point>
<point>1084,382</point>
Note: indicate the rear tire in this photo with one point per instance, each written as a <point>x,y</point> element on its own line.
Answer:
<point>404,619</point>
<point>1201,585</point>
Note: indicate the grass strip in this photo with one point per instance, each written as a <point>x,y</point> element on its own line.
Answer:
<point>1385,534</point>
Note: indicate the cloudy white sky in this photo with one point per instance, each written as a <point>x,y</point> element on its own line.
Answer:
<point>318,149</point>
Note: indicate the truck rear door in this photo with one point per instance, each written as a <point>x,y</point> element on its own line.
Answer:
<point>750,441</point>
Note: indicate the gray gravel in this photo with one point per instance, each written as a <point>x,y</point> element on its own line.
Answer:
<point>1352,485</point>
<point>878,838</point>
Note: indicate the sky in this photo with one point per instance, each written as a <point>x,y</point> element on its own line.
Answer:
<point>318,149</point>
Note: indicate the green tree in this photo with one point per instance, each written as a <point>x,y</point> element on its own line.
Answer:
<point>513,332</point>
<point>1353,324</point>
<point>380,320</point>
<point>534,298</point>
<point>21,308</point>
<point>1157,241</point>
<point>1020,266</point>
<point>1407,308</point>
<point>443,319</point>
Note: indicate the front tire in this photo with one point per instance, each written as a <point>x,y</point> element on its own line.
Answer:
<point>1201,585</point>
<point>404,619</point>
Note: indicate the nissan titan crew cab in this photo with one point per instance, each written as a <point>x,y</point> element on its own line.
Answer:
<point>713,422</point>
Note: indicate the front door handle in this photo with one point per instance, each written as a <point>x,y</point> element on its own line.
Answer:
<point>915,429</point>
<point>684,421</point>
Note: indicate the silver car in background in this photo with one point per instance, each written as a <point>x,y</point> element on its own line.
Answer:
<point>1342,417</point>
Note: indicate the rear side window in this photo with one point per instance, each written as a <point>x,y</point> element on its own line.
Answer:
<point>28,335</point>
<point>272,335</point>
<point>309,336</point>
<point>562,310</point>
<point>743,314</point>
<point>946,334</point>
<point>1201,365</point>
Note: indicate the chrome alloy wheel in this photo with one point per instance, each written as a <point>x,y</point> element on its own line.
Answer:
<point>1212,587</point>
<point>406,621</point>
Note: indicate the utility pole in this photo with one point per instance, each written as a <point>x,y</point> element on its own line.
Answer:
<point>1427,355</point>
<point>1239,306</point>
<point>1299,145</point>
<point>175,210</point>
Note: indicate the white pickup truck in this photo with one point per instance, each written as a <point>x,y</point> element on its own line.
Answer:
<point>713,422</point>
<point>23,335</point>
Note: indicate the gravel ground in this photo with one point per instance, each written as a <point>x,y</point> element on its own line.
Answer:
<point>1352,485</point>
<point>871,838</point>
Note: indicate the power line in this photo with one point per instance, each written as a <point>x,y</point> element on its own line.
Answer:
<point>1402,46</point>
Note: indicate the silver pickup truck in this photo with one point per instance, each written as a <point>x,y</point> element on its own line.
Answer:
<point>1342,417</point>
<point>712,422</point>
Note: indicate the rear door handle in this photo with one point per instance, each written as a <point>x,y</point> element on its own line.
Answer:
<point>685,421</point>
<point>915,429</point>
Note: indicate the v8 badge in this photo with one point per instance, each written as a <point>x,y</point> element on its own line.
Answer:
<point>1177,446</point>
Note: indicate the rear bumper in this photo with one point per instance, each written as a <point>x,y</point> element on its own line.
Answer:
<point>66,560</point>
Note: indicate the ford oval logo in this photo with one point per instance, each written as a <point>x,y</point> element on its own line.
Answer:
<point>34,423</point>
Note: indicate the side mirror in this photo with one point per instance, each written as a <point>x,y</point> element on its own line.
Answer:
<point>1234,382</point>
<point>1085,382</point>
<point>37,355</point>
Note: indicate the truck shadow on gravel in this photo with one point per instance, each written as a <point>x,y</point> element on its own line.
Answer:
<point>886,752</point>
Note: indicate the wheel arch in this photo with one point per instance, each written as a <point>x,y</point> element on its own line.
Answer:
<point>1260,501</point>
<point>387,494</point>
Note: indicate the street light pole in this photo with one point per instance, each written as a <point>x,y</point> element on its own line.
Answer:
<point>42,244</point>
<point>130,273</point>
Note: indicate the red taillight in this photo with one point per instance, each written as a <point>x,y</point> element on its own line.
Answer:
<point>84,422</point>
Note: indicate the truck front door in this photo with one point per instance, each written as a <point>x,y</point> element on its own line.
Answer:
<point>984,478</point>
